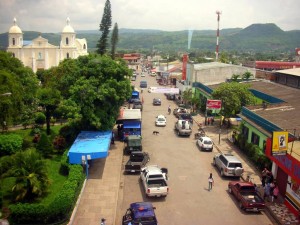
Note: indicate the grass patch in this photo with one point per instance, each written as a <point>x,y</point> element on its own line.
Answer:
<point>56,182</point>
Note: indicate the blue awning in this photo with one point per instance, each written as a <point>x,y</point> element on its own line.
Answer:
<point>132,124</point>
<point>91,145</point>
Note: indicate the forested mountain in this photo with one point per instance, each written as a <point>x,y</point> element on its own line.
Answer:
<point>254,38</point>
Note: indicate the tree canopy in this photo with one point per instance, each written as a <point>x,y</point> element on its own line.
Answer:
<point>233,95</point>
<point>92,88</point>
<point>114,40</point>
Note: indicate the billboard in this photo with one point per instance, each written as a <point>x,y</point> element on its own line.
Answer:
<point>213,104</point>
<point>280,141</point>
<point>163,90</point>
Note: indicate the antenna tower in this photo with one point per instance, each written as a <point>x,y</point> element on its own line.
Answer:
<point>218,34</point>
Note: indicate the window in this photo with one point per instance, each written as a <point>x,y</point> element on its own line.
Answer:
<point>245,131</point>
<point>14,41</point>
<point>84,46</point>
<point>254,138</point>
<point>68,55</point>
<point>40,55</point>
<point>67,41</point>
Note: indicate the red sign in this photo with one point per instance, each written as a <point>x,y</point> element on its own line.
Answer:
<point>213,104</point>
<point>184,62</point>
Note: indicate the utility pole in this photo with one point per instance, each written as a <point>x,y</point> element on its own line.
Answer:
<point>218,34</point>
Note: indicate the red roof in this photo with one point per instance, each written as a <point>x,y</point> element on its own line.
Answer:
<point>130,57</point>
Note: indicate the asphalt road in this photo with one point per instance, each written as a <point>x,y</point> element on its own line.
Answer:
<point>189,201</point>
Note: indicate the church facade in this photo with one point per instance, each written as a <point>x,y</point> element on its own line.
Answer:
<point>39,54</point>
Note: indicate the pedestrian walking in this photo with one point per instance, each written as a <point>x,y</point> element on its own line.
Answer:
<point>267,191</point>
<point>169,110</point>
<point>210,182</point>
<point>102,221</point>
<point>264,176</point>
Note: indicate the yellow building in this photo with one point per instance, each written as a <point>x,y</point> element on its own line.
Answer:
<point>39,54</point>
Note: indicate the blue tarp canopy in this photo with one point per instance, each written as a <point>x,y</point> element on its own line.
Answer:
<point>132,124</point>
<point>91,145</point>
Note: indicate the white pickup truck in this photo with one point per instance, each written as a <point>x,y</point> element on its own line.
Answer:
<point>154,180</point>
<point>183,128</point>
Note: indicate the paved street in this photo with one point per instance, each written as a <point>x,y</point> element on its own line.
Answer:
<point>189,201</point>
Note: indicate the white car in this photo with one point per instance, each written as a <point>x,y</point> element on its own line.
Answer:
<point>161,121</point>
<point>205,143</point>
<point>143,74</point>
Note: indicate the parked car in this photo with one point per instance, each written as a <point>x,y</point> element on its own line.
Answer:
<point>143,84</point>
<point>154,181</point>
<point>133,78</point>
<point>186,116</point>
<point>161,120</point>
<point>156,101</point>
<point>170,96</point>
<point>143,74</point>
<point>132,143</point>
<point>245,193</point>
<point>178,111</point>
<point>205,144</point>
<point>228,165</point>
<point>140,213</point>
<point>183,128</point>
<point>136,162</point>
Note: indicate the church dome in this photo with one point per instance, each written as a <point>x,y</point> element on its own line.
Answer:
<point>68,28</point>
<point>15,29</point>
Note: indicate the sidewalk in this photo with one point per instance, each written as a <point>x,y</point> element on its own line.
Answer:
<point>99,196</point>
<point>276,209</point>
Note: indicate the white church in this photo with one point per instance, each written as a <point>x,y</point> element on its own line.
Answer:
<point>38,54</point>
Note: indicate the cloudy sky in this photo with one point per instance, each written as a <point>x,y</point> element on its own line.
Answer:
<point>168,15</point>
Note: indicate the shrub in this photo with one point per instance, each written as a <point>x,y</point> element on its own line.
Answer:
<point>64,165</point>
<point>59,142</point>
<point>70,132</point>
<point>44,145</point>
<point>10,144</point>
<point>40,118</point>
<point>58,210</point>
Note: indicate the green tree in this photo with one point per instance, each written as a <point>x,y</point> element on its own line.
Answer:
<point>114,40</point>
<point>233,95</point>
<point>49,99</point>
<point>104,28</point>
<point>187,96</point>
<point>31,175</point>
<point>235,77</point>
<point>247,75</point>
<point>44,145</point>
<point>22,83</point>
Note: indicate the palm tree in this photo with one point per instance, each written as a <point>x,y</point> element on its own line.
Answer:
<point>30,172</point>
<point>187,96</point>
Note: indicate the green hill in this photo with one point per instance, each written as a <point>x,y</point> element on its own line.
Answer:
<point>256,37</point>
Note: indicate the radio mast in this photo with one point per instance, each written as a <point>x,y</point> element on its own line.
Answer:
<point>218,34</point>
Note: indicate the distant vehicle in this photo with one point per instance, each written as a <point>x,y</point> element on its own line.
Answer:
<point>179,110</point>
<point>205,144</point>
<point>138,105</point>
<point>153,74</point>
<point>245,193</point>
<point>143,84</point>
<point>161,121</point>
<point>136,162</point>
<point>170,96</point>
<point>183,128</point>
<point>143,74</point>
<point>133,78</point>
<point>228,165</point>
<point>156,101</point>
<point>140,213</point>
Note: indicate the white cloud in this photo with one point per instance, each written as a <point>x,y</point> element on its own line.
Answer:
<point>45,16</point>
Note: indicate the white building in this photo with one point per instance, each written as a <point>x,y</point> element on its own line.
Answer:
<point>38,54</point>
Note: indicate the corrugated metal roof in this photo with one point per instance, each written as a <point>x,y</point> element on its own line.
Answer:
<point>294,71</point>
